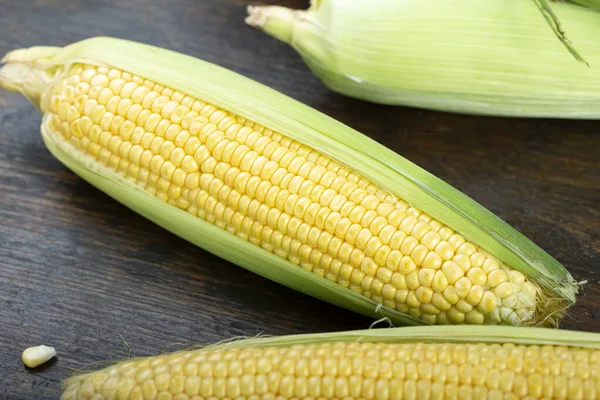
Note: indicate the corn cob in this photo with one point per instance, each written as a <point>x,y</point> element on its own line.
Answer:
<point>495,57</point>
<point>277,192</point>
<point>401,363</point>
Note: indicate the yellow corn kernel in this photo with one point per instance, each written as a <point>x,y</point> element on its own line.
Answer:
<point>503,290</point>
<point>453,271</point>
<point>450,295</point>
<point>488,302</point>
<point>475,295</point>
<point>474,317</point>
<point>463,306</point>
<point>38,355</point>
<point>497,277</point>
<point>455,316</point>
<point>438,301</point>
<point>516,277</point>
<point>463,261</point>
<point>424,295</point>
<point>412,280</point>
<point>477,259</point>
<point>440,282</point>
<point>462,287</point>
<point>432,260</point>
<point>426,277</point>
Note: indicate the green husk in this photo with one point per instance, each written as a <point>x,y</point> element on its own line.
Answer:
<point>495,57</point>
<point>556,26</point>
<point>31,70</point>
<point>431,334</point>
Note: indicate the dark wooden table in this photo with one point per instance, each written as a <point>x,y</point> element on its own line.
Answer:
<point>83,273</point>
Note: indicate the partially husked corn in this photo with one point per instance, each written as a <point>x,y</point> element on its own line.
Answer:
<point>280,189</point>
<point>350,370</point>
<point>284,196</point>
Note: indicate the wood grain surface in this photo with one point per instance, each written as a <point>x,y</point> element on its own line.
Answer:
<point>83,273</point>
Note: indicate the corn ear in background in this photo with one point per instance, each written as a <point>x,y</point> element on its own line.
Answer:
<point>280,189</point>
<point>495,57</point>
<point>415,362</point>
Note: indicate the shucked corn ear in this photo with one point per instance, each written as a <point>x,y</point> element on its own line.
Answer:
<point>432,362</point>
<point>280,189</point>
<point>494,57</point>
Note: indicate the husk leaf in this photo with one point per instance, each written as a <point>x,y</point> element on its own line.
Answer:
<point>431,334</point>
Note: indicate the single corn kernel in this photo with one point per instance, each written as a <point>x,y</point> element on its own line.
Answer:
<point>37,355</point>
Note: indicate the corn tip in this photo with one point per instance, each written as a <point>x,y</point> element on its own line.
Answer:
<point>276,21</point>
